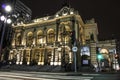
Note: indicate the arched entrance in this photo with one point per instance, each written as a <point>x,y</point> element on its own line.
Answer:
<point>105,61</point>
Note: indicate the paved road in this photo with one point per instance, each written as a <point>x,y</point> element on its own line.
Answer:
<point>39,76</point>
<point>104,76</point>
<point>22,75</point>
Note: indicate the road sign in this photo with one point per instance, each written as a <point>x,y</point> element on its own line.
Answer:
<point>74,49</point>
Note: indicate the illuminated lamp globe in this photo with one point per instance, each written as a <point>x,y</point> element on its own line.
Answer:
<point>8,8</point>
<point>2,18</point>
<point>9,21</point>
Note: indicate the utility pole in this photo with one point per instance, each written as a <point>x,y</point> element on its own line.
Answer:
<point>74,49</point>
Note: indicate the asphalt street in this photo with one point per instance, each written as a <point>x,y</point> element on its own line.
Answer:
<point>23,75</point>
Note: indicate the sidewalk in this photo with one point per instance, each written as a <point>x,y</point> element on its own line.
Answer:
<point>38,69</point>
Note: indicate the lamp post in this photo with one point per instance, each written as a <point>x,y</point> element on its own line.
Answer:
<point>5,19</point>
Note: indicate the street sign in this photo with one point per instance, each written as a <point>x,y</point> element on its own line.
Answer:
<point>74,49</point>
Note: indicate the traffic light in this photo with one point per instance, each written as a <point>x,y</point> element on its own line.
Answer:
<point>99,56</point>
<point>73,37</point>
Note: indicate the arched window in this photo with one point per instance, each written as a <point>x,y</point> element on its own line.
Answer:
<point>29,39</point>
<point>40,37</point>
<point>104,53</point>
<point>18,39</point>
<point>64,33</point>
<point>51,36</point>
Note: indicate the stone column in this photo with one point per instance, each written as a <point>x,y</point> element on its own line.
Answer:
<point>57,28</point>
<point>93,52</point>
<point>21,57</point>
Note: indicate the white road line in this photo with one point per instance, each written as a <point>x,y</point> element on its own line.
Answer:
<point>7,78</point>
<point>22,77</point>
<point>87,79</point>
<point>45,77</point>
<point>91,74</point>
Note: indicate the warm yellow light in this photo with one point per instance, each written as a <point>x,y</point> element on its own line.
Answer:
<point>103,51</point>
<point>17,62</point>
<point>28,63</point>
<point>71,12</point>
<point>57,15</point>
<point>20,63</point>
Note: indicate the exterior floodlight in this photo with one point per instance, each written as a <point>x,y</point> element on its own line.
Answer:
<point>18,23</point>
<point>9,21</point>
<point>57,15</point>
<point>71,12</point>
<point>21,22</point>
<point>64,14</point>
<point>46,18</point>
<point>8,8</point>
<point>13,25</point>
<point>2,18</point>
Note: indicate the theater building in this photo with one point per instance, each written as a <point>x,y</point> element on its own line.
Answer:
<point>49,41</point>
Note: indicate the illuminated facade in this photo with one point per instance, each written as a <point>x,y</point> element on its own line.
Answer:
<point>47,40</point>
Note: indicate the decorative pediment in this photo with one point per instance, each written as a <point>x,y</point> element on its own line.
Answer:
<point>65,11</point>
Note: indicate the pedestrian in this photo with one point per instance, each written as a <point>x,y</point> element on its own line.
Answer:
<point>96,67</point>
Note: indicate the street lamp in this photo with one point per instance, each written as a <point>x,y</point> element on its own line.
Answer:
<point>9,21</point>
<point>7,8</point>
<point>2,18</point>
<point>5,20</point>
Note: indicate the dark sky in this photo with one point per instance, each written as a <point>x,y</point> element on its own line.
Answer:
<point>105,12</point>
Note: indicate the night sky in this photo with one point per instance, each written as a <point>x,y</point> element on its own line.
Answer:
<point>105,12</point>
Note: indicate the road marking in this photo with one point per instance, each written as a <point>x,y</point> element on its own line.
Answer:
<point>40,76</point>
<point>22,77</point>
<point>5,78</point>
<point>90,74</point>
<point>87,79</point>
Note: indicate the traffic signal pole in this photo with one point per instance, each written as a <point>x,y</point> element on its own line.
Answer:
<point>99,64</point>
<point>73,42</point>
<point>74,49</point>
<point>2,37</point>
